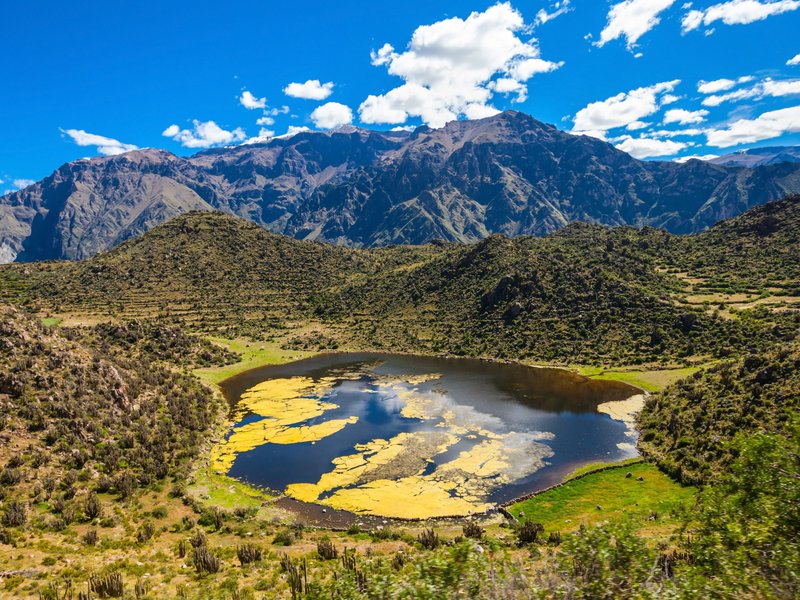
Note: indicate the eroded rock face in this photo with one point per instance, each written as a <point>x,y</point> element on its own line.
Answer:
<point>508,174</point>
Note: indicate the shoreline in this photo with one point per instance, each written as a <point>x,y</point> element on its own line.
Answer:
<point>621,410</point>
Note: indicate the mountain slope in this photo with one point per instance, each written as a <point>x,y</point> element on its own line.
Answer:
<point>756,157</point>
<point>687,428</point>
<point>585,294</point>
<point>508,174</point>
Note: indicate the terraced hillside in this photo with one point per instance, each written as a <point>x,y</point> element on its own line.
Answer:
<point>587,294</point>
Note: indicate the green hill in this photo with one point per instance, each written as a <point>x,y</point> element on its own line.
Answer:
<point>688,427</point>
<point>587,294</point>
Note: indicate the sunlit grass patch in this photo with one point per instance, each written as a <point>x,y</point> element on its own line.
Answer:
<point>607,496</point>
<point>650,381</point>
<point>213,489</point>
<point>254,354</point>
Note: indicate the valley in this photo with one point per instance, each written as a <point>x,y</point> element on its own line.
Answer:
<point>100,354</point>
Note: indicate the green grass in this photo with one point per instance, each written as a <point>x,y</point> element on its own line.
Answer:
<point>599,465</point>
<point>649,381</point>
<point>217,490</point>
<point>51,321</point>
<point>565,508</point>
<point>254,354</point>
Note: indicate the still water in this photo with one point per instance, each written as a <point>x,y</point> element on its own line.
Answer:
<point>415,436</point>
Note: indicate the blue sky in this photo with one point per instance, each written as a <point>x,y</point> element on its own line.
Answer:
<point>89,78</point>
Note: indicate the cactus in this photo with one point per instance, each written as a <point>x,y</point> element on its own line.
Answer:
<point>205,561</point>
<point>107,586</point>
<point>248,553</point>
<point>326,550</point>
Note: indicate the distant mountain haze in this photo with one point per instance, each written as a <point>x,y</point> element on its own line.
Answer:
<point>756,157</point>
<point>508,174</point>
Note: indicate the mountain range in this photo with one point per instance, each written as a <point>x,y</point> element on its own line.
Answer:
<point>508,174</point>
<point>757,157</point>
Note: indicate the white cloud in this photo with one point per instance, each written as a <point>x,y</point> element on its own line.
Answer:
<point>265,120</point>
<point>624,108</point>
<point>105,145</point>
<point>683,159</point>
<point>294,130</point>
<point>558,9</point>
<point>636,125</point>
<point>777,89</point>
<point>452,68</point>
<point>766,126</point>
<point>22,183</point>
<point>631,19</point>
<point>643,147</point>
<point>712,87</point>
<point>766,88</point>
<point>332,114</point>
<point>685,117</point>
<point>264,135</point>
<point>310,90</point>
<point>249,101</point>
<point>721,85</point>
<point>717,99</point>
<point>204,135</point>
<point>737,12</point>
<point>795,60</point>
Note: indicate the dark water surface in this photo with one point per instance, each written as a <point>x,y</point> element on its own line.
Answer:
<point>511,397</point>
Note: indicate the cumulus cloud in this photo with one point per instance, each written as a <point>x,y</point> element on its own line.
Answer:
<point>557,9</point>
<point>22,183</point>
<point>645,147</point>
<point>249,101</point>
<point>763,89</point>
<point>795,60</point>
<point>720,85</point>
<point>294,130</point>
<point>264,136</point>
<point>631,19</point>
<point>636,125</point>
<point>685,117</point>
<point>332,114</point>
<point>766,126</point>
<point>452,68</point>
<point>683,159</point>
<point>310,90</point>
<point>737,12</point>
<point>623,109</point>
<point>204,134</point>
<point>265,120</point>
<point>105,145</point>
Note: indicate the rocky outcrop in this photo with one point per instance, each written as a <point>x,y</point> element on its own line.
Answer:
<point>508,174</point>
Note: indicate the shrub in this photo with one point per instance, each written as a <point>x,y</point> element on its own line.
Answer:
<point>472,530</point>
<point>90,537</point>
<point>15,514</point>
<point>283,538</point>
<point>93,507</point>
<point>429,539</point>
<point>146,532</point>
<point>529,532</point>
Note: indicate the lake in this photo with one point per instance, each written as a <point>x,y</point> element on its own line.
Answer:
<point>415,436</point>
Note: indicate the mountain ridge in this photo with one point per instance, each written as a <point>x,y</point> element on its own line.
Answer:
<point>508,174</point>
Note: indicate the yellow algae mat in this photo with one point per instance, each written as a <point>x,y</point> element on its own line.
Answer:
<point>447,463</point>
